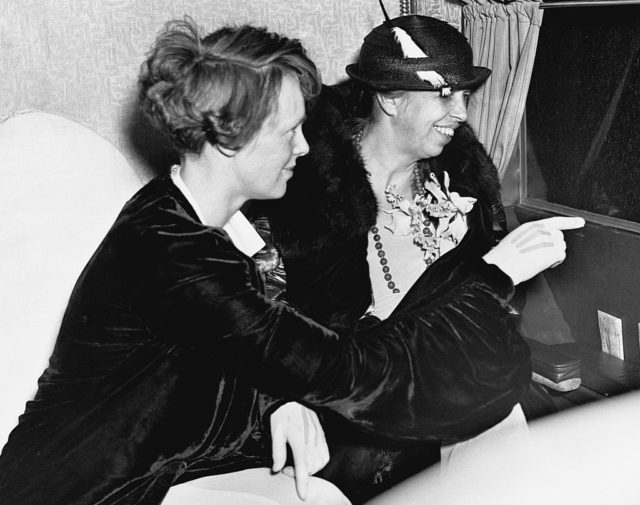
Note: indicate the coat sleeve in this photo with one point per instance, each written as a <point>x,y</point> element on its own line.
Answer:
<point>197,290</point>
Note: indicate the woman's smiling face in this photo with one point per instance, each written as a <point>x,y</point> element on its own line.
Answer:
<point>427,120</point>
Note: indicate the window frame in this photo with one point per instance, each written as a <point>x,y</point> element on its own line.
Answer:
<point>533,203</point>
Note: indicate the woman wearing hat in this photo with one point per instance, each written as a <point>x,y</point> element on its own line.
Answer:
<point>396,206</point>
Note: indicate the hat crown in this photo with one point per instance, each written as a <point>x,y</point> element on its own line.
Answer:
<point>432,35</point>
<point>382,64</point>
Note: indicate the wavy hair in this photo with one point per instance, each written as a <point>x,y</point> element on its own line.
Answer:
<point>219,88</point>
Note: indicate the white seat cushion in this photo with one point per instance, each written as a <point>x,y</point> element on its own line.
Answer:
<point>61,187</point>
<point>256,486</point>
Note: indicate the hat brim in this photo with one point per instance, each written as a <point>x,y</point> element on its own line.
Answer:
<point>480,75</point>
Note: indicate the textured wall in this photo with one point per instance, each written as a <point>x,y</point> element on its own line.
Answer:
<point>447,10</point>
<point>80,58</point>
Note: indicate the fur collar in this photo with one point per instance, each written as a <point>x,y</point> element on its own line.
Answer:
<point>330,199</point>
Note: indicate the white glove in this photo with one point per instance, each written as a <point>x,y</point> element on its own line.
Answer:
<point>532,247</point>
<point>299,427</point>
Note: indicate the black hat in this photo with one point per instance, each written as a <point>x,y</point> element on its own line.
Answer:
<point>416,53</point>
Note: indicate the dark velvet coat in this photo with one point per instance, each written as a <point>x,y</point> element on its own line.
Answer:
<point>168,337</point>
<point>321,227</point>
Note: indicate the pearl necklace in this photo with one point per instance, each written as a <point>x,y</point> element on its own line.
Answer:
<point>375,232</point>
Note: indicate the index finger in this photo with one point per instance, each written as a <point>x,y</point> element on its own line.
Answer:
<point>302,480</point>
<point>301,471</point>
<point>563,223</point>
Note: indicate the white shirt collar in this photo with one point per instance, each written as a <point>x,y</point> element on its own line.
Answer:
<point>240,231</point>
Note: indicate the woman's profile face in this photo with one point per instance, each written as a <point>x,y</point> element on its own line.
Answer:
<point>427,120</point>
<point>268,160</point>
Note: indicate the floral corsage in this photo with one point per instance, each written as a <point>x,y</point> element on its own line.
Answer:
<point>436,218</point>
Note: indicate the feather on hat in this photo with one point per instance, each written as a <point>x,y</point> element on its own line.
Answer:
<point>411,50</point>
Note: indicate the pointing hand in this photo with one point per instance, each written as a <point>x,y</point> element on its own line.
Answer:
<point>532,247</point>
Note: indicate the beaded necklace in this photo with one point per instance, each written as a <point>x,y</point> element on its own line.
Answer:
<point>436,217</point>
<point>375,231</point>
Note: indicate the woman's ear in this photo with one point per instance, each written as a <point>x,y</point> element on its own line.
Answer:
<point>388,103</point>
<point>225,151</point>
<point>210,150</point>
<point>211,137</point>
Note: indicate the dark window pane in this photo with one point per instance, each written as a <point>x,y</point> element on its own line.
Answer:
<point>583,111</point>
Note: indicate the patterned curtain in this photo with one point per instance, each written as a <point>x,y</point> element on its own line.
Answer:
<point>504,37</point>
